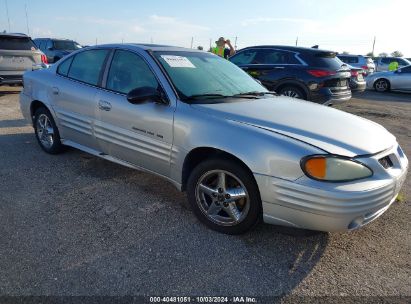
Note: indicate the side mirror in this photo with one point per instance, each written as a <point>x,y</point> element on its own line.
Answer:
<point>144,94</point>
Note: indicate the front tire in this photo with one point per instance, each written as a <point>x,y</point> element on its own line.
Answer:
<point>46,131</point>
<point>382,85</point>
<point>224,196</point>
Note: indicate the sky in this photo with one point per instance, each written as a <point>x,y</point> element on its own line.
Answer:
<point>338,25</point>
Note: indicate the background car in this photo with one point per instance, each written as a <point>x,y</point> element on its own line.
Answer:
<point>55,49</point>
<point>399,80</point>
<point>305,73</point>
<point>357,80</point>
<point>364,62</point>
<point>18,53</point>
<point>382,63</point>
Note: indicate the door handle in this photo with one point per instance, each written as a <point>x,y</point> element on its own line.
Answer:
<point>104,105</point>
<point>279,68</point>
<point>55,90</point>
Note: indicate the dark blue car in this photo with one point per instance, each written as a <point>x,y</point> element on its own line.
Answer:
<point>305,73</point>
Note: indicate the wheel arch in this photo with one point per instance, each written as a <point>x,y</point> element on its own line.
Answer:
<point>34,106</point>
<point>382,78</point>
<point>292,83</point>
<point>200,154</point>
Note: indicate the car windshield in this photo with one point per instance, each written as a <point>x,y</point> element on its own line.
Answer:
<point>204,76</point>
<point>66,45</point>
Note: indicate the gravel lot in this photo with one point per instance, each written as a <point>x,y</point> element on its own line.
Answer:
<point>74,224</point>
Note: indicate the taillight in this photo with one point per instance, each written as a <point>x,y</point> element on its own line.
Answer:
<point>354,73</point>
<point>44,59</point>
<point>364,67</point>
<point>321,73</point>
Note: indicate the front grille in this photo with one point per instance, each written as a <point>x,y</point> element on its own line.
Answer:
<point>386,162</point>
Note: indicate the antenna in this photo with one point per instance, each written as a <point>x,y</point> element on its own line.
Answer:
<point>296,41</point>
<point>27,20</point>
<point>373,46</point>
<point>8,17</point>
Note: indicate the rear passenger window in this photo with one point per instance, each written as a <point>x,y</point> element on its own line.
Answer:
<point>269,56</point>
<point>245,57</point>
<point>128,72</point>
<point>87,66</point>
<point>63,68</point>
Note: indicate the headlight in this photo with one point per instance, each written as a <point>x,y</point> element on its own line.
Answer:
<point>332,168</point>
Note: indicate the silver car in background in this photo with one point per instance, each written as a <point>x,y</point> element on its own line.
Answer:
<point>18,53</point>
<point>399,80</point>
<point>382,63</point>
<point>359,61</point>
<point>243,154</point>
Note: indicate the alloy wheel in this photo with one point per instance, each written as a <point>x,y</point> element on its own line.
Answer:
<point>381,85</point>
<point>45,131</point>
<point>291,93</point>
<point>222,197</point>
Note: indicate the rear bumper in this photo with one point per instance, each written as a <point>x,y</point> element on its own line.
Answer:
<point>11,79</point>
<point>330,95</point>
<point>358,86</point>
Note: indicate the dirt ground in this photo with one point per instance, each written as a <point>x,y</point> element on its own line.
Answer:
<point>74,224</point>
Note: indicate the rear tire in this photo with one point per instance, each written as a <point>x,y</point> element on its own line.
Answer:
<point>46,131</point>
<point>224,196</point>
<point>292,91</point>
<point>382,85</point>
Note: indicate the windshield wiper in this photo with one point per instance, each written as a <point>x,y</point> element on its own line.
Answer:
<point>205,96</point>
<point>253,94</point>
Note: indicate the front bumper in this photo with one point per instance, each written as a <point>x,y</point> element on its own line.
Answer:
<point>332,207</point>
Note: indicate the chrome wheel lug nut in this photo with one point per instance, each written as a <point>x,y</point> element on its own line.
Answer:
<point>227,196</point>
<point>220,190</point>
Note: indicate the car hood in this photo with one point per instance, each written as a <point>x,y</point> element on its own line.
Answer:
<point>329,129</point>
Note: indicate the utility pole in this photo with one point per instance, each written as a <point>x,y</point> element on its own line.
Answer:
<point>296,41</point>
<point>192,41</point>
<point>7,11</point>
<point>210,45</point>
<point>151,40</point>
<point>27,21</point>
<point>373,47</point>
<point>235,43</point>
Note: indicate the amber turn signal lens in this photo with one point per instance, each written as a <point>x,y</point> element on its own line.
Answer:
<point>316,167</point>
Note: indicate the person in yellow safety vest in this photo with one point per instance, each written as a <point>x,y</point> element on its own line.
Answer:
<point>393,66</point>
<point>221,50</point>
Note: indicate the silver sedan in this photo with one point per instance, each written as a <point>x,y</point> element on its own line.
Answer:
<point>399,80</point>
<point>243,154</point>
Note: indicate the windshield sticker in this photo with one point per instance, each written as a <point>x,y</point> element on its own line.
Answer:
<point>178,61</point>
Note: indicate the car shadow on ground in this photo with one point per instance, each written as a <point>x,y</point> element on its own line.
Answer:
<point>269,260</point>
<point>104,227</point>
<point>13,123</point>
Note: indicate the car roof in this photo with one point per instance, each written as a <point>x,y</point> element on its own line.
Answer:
<point>351,55</point>
<point>152,47</point>
<point>16,35</point>
<point>290,48</point>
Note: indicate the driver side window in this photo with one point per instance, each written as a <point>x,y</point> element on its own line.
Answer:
<point>128,72</point>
